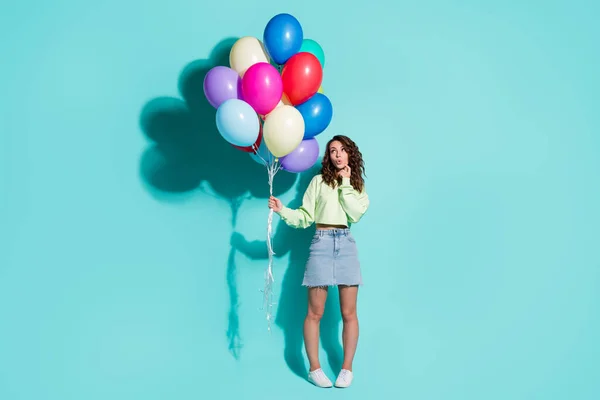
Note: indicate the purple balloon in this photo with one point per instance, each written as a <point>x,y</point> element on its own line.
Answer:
<point>302,157</point>
<point>221,84</point>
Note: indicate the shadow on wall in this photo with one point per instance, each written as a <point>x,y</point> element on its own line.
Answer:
<point>187,150</point>
<point>293,300</point>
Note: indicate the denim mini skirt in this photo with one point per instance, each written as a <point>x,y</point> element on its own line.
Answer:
<point>332,260</point>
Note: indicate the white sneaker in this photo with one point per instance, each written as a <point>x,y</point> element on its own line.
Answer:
<point>318,378</point>
<point>344,379</point>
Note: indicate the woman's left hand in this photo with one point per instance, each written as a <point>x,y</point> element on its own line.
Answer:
<point>345,172</point>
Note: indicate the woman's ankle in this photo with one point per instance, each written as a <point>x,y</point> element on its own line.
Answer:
<point>347,366</point>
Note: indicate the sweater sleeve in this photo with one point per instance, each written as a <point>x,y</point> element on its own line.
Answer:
<point>354,203</point>
<point>304,216</point>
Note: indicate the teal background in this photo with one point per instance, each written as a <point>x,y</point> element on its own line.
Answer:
<point>479,125</point>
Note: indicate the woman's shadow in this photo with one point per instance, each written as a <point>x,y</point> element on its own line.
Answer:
<point>293,301</point>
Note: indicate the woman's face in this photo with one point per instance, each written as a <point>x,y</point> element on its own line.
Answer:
<point>338,155</point>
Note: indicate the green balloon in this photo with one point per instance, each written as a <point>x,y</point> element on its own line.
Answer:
<point>310,46</point>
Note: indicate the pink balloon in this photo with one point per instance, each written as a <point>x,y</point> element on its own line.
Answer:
<point>262,87</point>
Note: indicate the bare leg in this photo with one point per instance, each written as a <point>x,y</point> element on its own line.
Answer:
<point>348,296</point>
<point>316,306</point>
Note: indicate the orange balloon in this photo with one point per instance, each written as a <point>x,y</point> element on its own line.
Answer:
<point>285,100</point>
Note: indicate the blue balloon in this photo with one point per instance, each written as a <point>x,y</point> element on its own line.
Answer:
<point>237,122</point>
<point>283,37</point>
<point>263,155</point>
<point>317,113</point>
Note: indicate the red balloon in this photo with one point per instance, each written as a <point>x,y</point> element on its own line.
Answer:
<point>302,76</point>
<point>250,149</point>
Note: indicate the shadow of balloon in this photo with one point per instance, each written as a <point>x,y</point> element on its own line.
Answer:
<point>188,151</point>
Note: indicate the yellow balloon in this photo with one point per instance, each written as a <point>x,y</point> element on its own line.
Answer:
<point>246,52</point>
<point>283,130</point>
<point>321,89</point>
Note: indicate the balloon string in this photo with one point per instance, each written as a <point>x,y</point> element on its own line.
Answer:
<point>273,167</point>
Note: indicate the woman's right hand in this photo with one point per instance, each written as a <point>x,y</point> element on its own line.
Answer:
<point>275,204</point>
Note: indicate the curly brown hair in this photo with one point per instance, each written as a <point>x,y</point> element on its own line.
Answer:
<point>355,162</point>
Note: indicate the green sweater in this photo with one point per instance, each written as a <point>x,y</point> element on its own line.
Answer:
<point>323,204</point>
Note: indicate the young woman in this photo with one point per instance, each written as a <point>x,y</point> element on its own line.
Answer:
<point>333,200</point>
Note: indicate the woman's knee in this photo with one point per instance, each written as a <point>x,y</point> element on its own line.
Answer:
<point>349,314</point>
<point>315,314</point>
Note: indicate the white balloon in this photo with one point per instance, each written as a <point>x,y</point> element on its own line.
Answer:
<point>283,130</point>
<point>246,52</point>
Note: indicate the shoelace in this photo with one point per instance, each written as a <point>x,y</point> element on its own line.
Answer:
<point>319,374</point>
<point>344,375</point>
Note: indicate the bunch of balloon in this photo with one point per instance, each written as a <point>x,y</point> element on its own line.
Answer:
<point>270,104</point>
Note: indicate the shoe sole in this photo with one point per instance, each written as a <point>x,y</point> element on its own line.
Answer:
<point>319,386</point>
